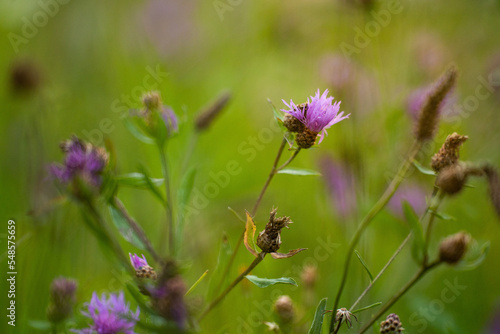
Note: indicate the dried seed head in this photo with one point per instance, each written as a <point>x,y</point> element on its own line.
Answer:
<point>454,247</point>
<point>146,272</point>
<point>494,182</point>
<point>451,180</point>
<point>152,100</point>
<point>391,325</point>
<point>449,153</point>
<point>343,315</point>
<point>206,117</point>
<point>306,138</point>
<point>62,299</point>
<point>284,309</point>
<point>269,240</point>
<point>429,115</point>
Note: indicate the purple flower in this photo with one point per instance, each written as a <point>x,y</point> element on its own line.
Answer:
<point>170,120</point>
<point>168,300</point>
<point>62,299</point>
<point>110,315</point>
<point>414,195</point>
<point>82,161</point>
<point>340,183</point>
<point>319,115</point>
<point>138,262</point>
<point>417,98</point>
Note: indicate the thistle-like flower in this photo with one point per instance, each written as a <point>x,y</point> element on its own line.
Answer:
<point>317,115</point>
<point>154,107</point>
<point>62,299</point>
<point>83,166</point>
<point>391,325</point>
<point>141,266</point>
<point>110,315</point>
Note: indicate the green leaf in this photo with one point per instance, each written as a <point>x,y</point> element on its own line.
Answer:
<point>443,216</point>
<point>422,169</point>
<point>138,133</point>
<point>123,227</point>
<point>277,115</point>
<point>298,171</point>
<point>41,325</point>
<point>265,282</point>
<point>151,186</point>
<point>474,257</point>
<point>317,323</point>
<point>418,246</point>
<point>197,282</point>
<point>364,265</point>
<point>137,180</point>
<point>236,214</point>
<point>186,188</point>
<point>367,307</point>
<point>217,280</point>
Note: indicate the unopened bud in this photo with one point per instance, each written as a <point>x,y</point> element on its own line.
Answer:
<point>451,180</point>
<point>429,115</point>
<point>391,325</point>
<point>306,138</point>
<point>453,248</point>
<point>207,116</point>
<point>309,276</point>
<point>152,100</point>
<point>449,153</point>
<point>62,299</point>
<point>284,309</point>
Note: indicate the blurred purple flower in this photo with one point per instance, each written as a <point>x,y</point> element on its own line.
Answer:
<point>168,300</point>
<point>494,323</point>
<point>82,160</point>
<point>62,299</point>
<point>110,315</point>
<point>138,262</point>
<point>319,115</point>
<point>430,52</point>
<point>414,195</point>
<point>170,119</point>
<point>417,98</point>
<point>341,185</point>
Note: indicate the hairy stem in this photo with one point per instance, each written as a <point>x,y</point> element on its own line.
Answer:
<point>168,203</point>
<point>137,229</point>
<point>238,279</point>
<point>381,203</point>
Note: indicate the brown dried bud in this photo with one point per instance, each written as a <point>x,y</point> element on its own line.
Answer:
<point>152,100</point>
<point>269,240</point>
<point>451,180</point>
<point>453,247</point>
<point>206,117</point>
<point>284,309</point>
<point>306,138</point>
<point>24,77</point>
<point>62,299</point>
<point>449,153</point>
<point>429,115</point>
<point>391,325</point>
<point>494,182</point>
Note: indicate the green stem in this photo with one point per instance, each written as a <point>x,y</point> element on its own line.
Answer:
<point>435,202</point>
<point>418,275</point>
<point>217,300</point>
<point>168,203</point>
<point>381,203</point>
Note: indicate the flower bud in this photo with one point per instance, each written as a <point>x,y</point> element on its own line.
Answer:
<point>449,153</point>
<point>207,116</point>
<point>306,138</point>
<point>284,309</point>
<point>24,77</point>
<point>391,325</point>
<point>62,299</point>
<point>453,248</point>
<point>451,180</point>
<point>309,276</point>
<point>152,100</point>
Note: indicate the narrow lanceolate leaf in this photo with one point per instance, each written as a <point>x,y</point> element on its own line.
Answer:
<point>422,169</point>
<point>418,246</point>
<point>265,282</point>
<point>183,197</point>
<point>317,323</point>
<point>236,214</point>
<point>150,185</point>
<point>137,131</point>
<point>137,180</point>
<point>291,253</point>
<point>298,171</point>
<point>366,307</point>
<point>249,237</point>
<point>474,257</point>
<point>277,115</point>
<point>196,283</point>
<point>216,279</point>
<point>443,216</point>
<point>364,265</point>
<point>123,227</point>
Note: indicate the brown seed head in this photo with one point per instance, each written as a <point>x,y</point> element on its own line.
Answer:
<point>391,325</point>
<point>453,247</point>
<point>429,115</point>
<point>449,153</point>
<point>207,116</point>
<point>269,240</point>
<point>284,308</point>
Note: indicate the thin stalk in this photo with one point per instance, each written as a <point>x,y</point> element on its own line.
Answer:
<point>418,275</point>
<point>137,230</point>
<point>238,279</point>
<point>368,288</point>
<point>435,202</point>
<point>381,203</point>
<point>168,204</point>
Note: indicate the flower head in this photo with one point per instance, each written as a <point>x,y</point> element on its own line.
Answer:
<point>318,114</point>
<point>153,107</point>
<point>142,268</point>
<point>83,162</point>
<point>110,315</point>
<point>138,262</point>
<point>391,325</point>
<point>62,299</point>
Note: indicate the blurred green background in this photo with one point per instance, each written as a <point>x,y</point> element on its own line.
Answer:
<point>84,63</point>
